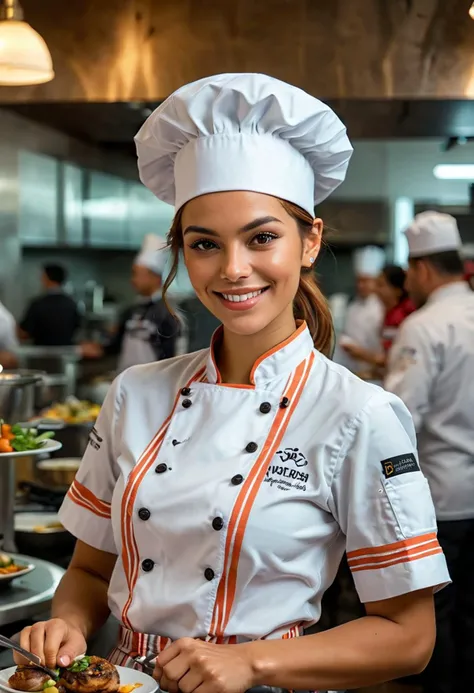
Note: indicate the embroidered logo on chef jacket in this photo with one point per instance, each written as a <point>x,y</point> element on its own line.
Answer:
<point>402,464</point>
<point>95,439</point>
<point>284,475</point>
<point>406,358</point>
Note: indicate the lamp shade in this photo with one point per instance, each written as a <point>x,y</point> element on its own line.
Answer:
<point>471,11</point>
<point>24,55</point>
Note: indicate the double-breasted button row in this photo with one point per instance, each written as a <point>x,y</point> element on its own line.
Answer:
<point>144,514</point>
<point>148,565</point>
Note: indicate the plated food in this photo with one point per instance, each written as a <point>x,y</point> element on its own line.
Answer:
<point>86,675</point>
<point>18,439</point>
<point>73,411</point>
<point>9,568</point>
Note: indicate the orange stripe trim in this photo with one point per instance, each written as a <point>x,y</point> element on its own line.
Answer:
<point>398,554</point>
<point>88,501</point>
<point>275,349</point>
<point>241,512</point>
<point>417,557</point>
<point>88,495</point>
<point>404,543</point>
<point>130,554</point>
<point>86,506</point>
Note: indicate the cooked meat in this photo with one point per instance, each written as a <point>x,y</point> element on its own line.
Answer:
<point>99,677</point>
<point>28,678</point>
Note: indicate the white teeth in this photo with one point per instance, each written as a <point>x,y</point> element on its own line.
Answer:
<point>239,298</point>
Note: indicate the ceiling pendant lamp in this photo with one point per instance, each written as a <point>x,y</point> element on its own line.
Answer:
<point>24,55</point>
<point>471,11</point>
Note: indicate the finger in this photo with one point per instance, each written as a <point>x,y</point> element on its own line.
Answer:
<point>25,644</point>
<point>177,668</point>
<point>37,636</point>
<point>166,685</point>
<point>157,672</point>
<point>73,646</point>
<point>190,681</point>
<point>168,654</point>
<point>54,636</point>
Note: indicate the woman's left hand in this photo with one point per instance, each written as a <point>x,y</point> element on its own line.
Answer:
<point>193,665</point>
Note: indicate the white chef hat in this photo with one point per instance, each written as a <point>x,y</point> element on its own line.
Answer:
<point>432,232</point>
<point>369,261</point>
<point>153,254</point>
<point>243,132</point>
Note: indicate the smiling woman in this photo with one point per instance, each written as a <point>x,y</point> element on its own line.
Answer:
<point>224,486</point>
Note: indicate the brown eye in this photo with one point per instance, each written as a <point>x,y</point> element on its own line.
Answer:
<point>203,244</point>
<point>264,238</point>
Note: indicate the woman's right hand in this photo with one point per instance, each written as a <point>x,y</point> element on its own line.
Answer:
<point>56,642</point>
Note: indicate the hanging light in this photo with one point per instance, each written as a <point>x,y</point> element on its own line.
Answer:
<point>24,55</point>
<point>471,11</point>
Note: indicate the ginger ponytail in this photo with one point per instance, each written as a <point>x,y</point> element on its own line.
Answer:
<point>309,304</point>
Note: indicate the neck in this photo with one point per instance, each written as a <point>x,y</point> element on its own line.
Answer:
<point>238,353</point>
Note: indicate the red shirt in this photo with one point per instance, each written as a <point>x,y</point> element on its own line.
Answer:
<point>392,321</point>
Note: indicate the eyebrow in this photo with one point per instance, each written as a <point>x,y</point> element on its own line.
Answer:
<point>256,223</point>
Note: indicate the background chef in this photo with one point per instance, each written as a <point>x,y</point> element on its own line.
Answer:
<point>147,331</point>
<point>190,529</point>
<point>431,367</point>
<point>363,322</point>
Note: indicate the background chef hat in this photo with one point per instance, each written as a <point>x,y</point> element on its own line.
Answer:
<point>243,132</point>
<point>433,232</point>
<point>369,261</point>
<point>152,254</point>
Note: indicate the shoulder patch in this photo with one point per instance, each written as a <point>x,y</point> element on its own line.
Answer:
<point>401,464</point>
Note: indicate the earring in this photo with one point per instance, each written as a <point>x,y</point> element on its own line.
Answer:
<point>311,259</point>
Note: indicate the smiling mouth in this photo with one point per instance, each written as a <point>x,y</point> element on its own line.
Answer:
<point>241,298</point>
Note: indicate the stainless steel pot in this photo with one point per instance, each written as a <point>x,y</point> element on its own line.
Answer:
<point>18,390</point>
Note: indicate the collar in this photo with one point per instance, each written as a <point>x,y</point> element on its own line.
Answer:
<point>273,364</point>
<point>452,290</point>
<point>154,298</point>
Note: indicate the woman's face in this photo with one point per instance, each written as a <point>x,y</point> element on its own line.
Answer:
<point>387,293</point>
<point>244,254</point>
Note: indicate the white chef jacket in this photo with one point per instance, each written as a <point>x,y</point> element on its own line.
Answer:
<point>8,339</point>
<point>230,506</point>
<point>363,325</point>
<point>431,367</point>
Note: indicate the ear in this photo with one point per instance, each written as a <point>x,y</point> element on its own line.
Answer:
<point>312,244</point>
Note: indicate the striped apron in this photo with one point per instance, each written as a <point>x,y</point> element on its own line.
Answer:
<point>131,645</point>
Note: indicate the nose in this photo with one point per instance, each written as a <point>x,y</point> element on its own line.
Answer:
<point>235,263</point>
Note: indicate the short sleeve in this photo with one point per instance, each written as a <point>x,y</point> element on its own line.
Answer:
<point>86,510</point>
<point>382,503</point>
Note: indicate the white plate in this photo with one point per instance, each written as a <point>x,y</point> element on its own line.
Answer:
<point>26,522</point>
<point>9,577</point>
<point>50,446</point>
<point>127,677</point>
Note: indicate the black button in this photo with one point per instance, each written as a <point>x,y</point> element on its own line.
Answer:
<point>237,479</point>
<point>217,523</point>
<point>161,468</point>
<point>209,574</point>
<point>186,391</point>
<point>251,447</point>
<point>186,403</point>
<point>265,407</point>
<point>284,403</point>
<point>144,514</point>
<point>148,565</point>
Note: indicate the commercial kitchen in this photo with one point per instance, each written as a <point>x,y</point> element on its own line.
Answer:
<point>86,249</point>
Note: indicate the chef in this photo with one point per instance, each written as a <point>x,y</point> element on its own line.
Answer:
<point>365,313</point>
<point>147,330</point>
<point>431,368</point>
<point>221,488</point>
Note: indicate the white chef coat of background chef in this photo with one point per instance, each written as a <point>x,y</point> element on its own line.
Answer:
<point>8,339</point>
<point>431,367</point>
<point>229,508</point>
<point>364,317</point>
